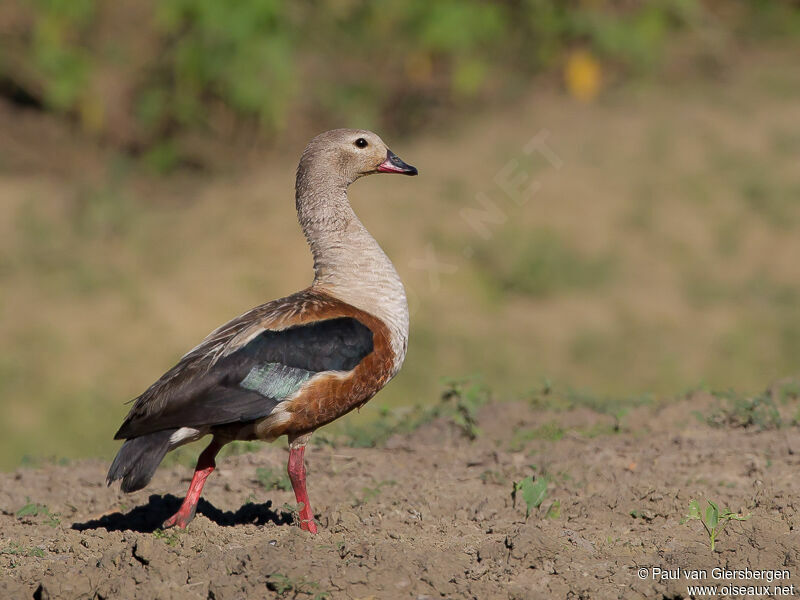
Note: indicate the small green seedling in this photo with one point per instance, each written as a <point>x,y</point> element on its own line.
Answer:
<point>170,538</point>
<point>533,493</point>
<point>31,509</point>
<point>713,521</point>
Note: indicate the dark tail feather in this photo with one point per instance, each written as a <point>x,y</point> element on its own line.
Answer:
<point>138,459</point>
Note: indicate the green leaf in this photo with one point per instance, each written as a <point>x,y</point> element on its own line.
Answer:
<point>31,509</point>
<point>533,493</point>
<point>712,515</point>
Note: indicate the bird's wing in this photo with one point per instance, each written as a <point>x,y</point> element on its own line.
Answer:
<point>243,370</point>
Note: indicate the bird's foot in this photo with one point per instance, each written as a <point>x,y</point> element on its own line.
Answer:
<point>181,519</point>
<point>308,525</point>
<point>306,518</point>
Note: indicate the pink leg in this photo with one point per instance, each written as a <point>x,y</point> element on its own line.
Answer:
<point>205,465</point>
<point>297,474</point>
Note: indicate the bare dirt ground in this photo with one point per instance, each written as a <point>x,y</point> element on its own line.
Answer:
<point>427,515</point>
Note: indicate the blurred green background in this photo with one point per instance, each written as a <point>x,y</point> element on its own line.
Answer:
<point>609,199</point>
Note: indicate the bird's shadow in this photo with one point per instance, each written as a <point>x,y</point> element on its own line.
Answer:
<point>149,517</point>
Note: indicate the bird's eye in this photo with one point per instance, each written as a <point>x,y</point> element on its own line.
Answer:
<point>361,143</point>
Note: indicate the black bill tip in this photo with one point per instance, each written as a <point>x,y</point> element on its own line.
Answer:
<point>395,164</point>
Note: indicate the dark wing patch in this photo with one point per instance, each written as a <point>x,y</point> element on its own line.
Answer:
<point>248,383</point>
<point>331,345</point>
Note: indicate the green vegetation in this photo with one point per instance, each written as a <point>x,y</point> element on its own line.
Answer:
<point>16,549</point>
<point>737,410</point>
<point>461,400</point>
<point>187,455</point>
<point>557,399</point>
<point>189,65</point>
<point>32,509</point>
<point>560,398</point>
<point>777,407</point>
<point>713,520</point>
<point>786,391</point>
<point>551,432</point>
<point>272,480</point>
<point>374,433</point>
<point>459,404</point>
<point>169,537</point>
<point>533,493</point>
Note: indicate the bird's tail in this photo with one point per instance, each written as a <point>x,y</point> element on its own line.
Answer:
<point>138,459</point>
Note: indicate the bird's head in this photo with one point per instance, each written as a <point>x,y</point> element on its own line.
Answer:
<point>347,154</point>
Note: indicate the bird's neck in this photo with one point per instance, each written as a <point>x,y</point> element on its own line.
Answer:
<point>348,262</point>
